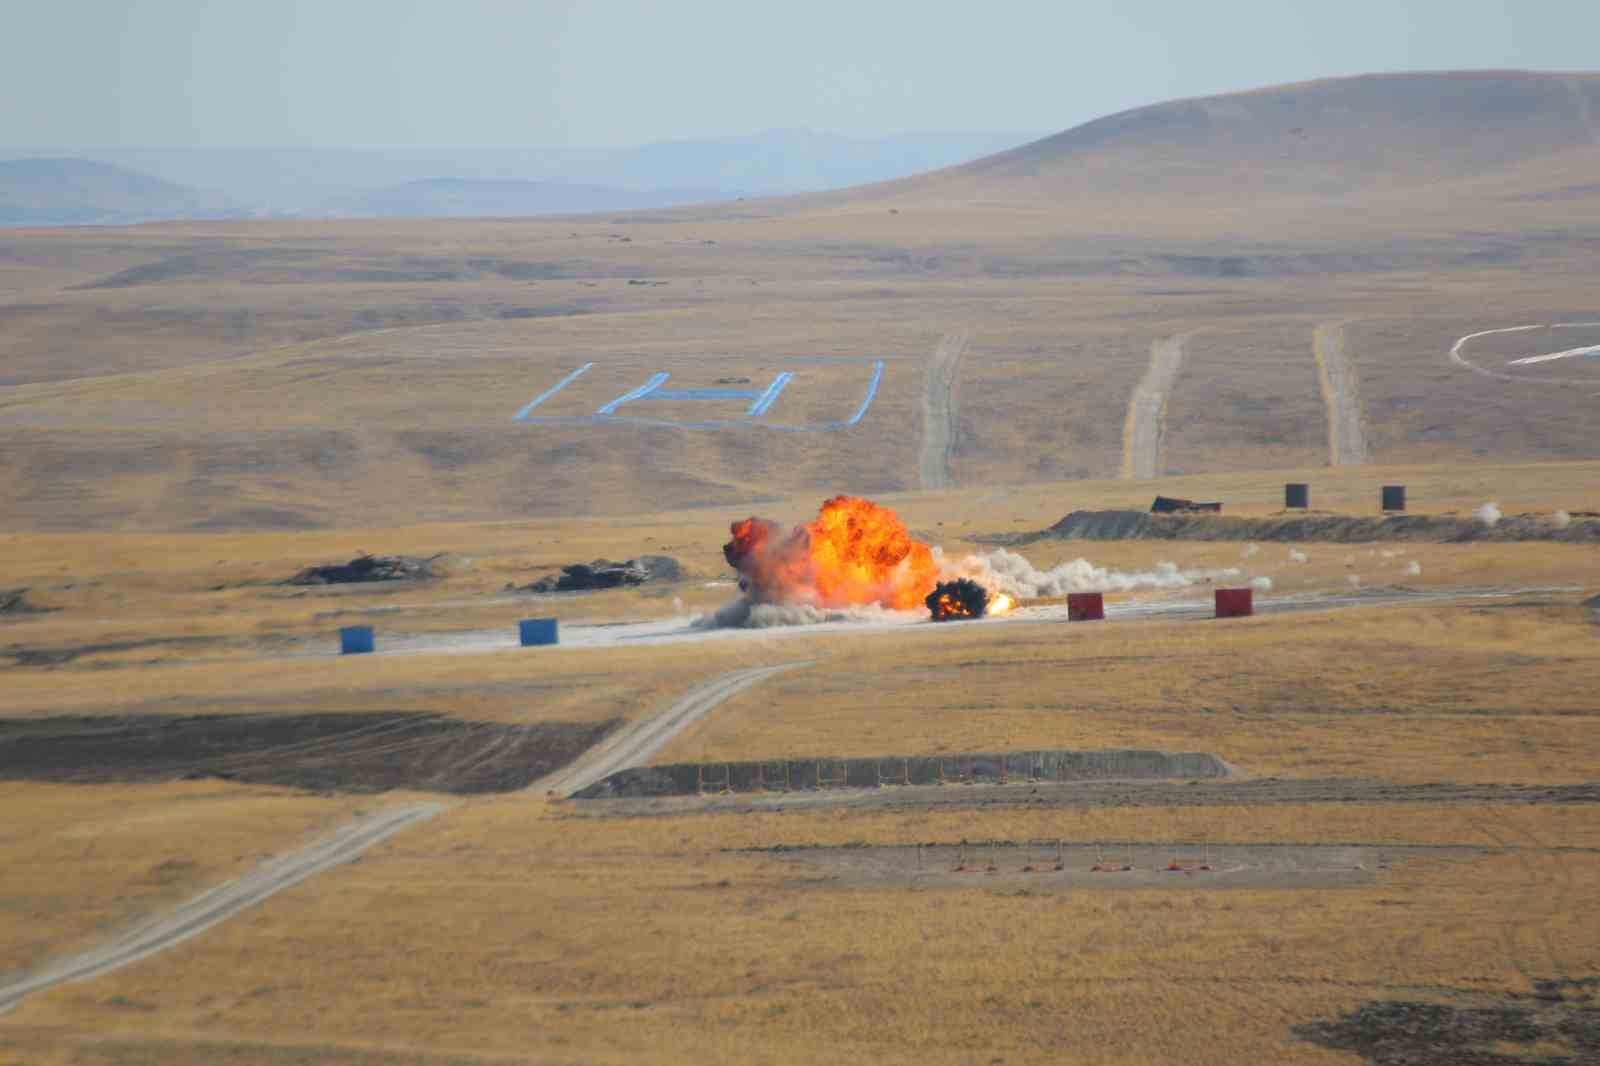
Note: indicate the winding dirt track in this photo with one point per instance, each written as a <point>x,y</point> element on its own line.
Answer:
<point>1144,431</point>
<point>939,411</point>
<point>218,904</point>
<point>1341,394</point>
<point>635,744</point>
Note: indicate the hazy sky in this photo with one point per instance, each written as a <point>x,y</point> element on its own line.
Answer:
<point>604,73</point>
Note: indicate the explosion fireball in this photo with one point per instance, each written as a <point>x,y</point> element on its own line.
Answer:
<point>856,552</point>
<point>858,557</point>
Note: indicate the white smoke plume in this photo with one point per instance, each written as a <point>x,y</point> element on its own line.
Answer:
<point>1563,519</point>
<point>1489,514</point>
<point>1261,584</point>
<point>1008,572</point>
<point>1413,569</point>
<point>1297,556</point>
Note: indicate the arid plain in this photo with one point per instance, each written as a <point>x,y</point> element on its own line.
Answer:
<point>1205,299</point>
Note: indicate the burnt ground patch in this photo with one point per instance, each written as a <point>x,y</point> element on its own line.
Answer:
<point>335,752</point>
<point>1559,1024</point>
<point>22,655</point>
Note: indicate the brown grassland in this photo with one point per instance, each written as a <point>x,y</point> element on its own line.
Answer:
<point>190,413</point>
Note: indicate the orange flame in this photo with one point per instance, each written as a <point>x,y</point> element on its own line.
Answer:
<point>856,552</point>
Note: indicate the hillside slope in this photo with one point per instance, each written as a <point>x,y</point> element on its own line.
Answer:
<point>1311,146</point>
<point>66,192</point>
<point>140,385</point>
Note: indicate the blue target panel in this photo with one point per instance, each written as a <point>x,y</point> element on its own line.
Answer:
<point>535,632</point>
<point>356,640</point>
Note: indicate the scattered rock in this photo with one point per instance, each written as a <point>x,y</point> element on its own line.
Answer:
<point>15,601</point>
<point>377,568</point>
<point>605,574</point>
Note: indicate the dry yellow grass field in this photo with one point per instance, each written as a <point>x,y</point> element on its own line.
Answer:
<point>83,861</point>
<point>190,414</point>
<point>501,934</point>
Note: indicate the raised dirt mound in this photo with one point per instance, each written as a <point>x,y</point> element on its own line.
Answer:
<point>605,574</point>
<point>365,568</point>
<point>347,752</point>
<point>683,779</point>
<point>1325,528</point>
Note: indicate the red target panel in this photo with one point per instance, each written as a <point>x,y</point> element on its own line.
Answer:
<point>1085,606</point>
<point>1235,603</point>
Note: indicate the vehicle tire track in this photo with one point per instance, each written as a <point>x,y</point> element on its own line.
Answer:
<point>939,411</point>
<point>1458,348</point>
<point>1144,431</point>
<point>637,743</point>
<point>1341,395</point>
<point>218,904</point>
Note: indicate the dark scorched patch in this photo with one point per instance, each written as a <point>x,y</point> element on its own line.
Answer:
<point>1562,1014</point>
<point>342,752</point>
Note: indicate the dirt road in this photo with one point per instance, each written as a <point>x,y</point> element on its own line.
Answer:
<point>218,904</point>
<point>1341,394</point>
<point>635,744</point>
<point>939,410</point>
<point>1144,430</point>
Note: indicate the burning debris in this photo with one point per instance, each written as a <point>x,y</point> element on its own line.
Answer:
<point>964,598</point>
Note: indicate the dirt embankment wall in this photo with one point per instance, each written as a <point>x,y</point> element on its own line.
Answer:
<point>1325,528</point>
<point>685,779</point>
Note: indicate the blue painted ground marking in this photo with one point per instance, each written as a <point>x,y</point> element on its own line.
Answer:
<point>767,399</point>
<point>872,391</point>
<point>652,390</point>
<point>703,394</point>
<point>655,382</point>
<point>547,393</point>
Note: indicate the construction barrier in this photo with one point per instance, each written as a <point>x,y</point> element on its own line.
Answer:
<point>537,631</point>
<point>1085,607</point>
<point>356,640</point>
<point>1235,603</point>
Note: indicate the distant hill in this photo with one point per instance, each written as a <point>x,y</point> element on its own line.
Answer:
<point>65,192</point>
<point>293,182</point>
<point>1320,139</point>
<point>464,198</point>
<point>789,161</point>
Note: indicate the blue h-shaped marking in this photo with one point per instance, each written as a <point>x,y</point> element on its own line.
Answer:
<point>760,402</point>
<point>655,382</point>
